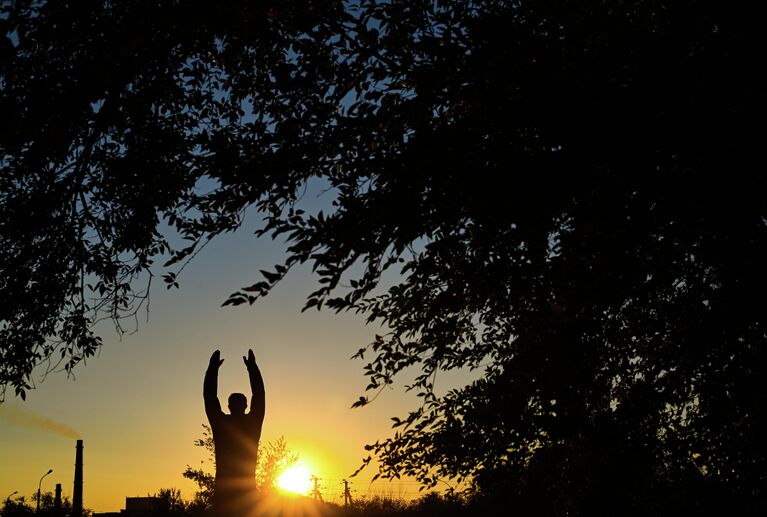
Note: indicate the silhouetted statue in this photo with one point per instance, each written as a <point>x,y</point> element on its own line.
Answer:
<point>236,437</point>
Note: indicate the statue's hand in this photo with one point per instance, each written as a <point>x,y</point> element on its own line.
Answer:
<point>215,359</point>
<point>250,361</point>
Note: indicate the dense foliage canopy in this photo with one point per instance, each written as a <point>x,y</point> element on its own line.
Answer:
<point>572,191</point>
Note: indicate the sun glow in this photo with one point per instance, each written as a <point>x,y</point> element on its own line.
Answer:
<point>295,479</point>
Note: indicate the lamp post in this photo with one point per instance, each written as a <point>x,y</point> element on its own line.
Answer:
<point>40,484</point>
<point>8,499</point>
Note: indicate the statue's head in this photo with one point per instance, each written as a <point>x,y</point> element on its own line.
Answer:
<point>237,403</point>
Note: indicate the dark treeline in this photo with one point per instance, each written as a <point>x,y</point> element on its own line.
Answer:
<point>22,507</point>
<point>169,503</point>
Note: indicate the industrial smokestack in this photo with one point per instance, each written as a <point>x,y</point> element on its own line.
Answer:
<point>77,494</point>
<point>57,501</point>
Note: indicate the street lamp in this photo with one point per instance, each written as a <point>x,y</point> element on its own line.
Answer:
<point>38,490</point>
<point>8,499</point>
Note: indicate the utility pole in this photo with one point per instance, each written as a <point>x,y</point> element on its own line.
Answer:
<point>347,493</point>
<point>316,492</point>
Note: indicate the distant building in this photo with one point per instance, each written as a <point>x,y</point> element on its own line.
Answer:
<point>135,507</point>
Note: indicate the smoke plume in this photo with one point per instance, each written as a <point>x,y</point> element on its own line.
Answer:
<point>19,416</point>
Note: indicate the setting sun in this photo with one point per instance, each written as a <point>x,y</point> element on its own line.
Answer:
<point>295,479</point>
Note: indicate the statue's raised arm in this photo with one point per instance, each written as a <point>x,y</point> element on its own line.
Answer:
<point>258,397</point>
<point>210,387</point>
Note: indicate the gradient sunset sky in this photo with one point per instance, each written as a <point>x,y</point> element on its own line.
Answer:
<point>138,405</point>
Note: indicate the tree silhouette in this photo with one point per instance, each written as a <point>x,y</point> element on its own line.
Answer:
<point>17,508</point>
<point>20,506</point>
<point>111,114</point>
<point>172,504</point>
<point>571,192</point>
